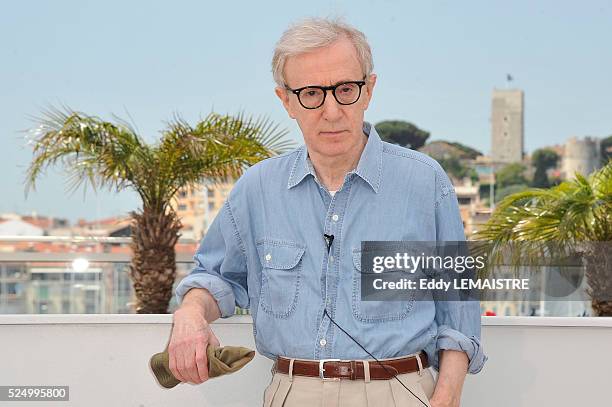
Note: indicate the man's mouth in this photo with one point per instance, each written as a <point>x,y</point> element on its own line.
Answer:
<point>332,133</point>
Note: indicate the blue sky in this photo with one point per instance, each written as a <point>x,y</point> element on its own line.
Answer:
<point>437,64</point>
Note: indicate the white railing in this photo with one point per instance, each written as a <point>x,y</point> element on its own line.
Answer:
<point>34,282</point>
<point>110,288</point>
<point>23,256</point>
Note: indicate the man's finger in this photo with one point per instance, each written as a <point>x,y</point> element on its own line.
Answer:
<point>202,360</point>
<point>173,359</point>
<point>212,338</point>
<point>190,372</point>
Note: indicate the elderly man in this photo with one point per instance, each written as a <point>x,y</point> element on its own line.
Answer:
<point>287,243</point>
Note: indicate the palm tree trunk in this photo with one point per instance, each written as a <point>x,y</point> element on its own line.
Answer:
<point>599,277</point>
<point>153,267</point>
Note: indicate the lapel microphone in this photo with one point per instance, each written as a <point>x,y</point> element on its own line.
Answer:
<point>329,239</point>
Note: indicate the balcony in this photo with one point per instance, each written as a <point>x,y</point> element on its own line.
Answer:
<point>94,344</point>
<point>533,361</point>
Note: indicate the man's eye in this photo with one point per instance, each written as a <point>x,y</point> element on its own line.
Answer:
<point>346,89</point>
<point>311,93</point>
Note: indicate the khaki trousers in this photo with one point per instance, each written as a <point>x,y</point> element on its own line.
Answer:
<point>293,391</point>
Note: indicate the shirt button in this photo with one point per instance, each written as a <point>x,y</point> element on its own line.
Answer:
<point>335,218</point>
<point>268,257</point>
<point>322,342</point>
<point>331,259</point>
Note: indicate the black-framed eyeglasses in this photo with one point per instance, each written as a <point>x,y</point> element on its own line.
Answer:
<point>313,97</point>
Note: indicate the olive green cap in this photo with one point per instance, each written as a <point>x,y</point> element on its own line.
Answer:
<point>221,360</point>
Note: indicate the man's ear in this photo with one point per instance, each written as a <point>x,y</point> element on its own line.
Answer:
<point>369,89</point>
<point>284,97</point>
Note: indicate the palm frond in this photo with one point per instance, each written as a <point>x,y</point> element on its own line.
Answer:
<point>553,221</point>
<point>217,148</point>
<point>100,153</point>
<point>90,149</point>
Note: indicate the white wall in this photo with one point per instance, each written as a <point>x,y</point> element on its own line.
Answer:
<point>104,360</point>
<point>17,227</point>
<point>543,362</point>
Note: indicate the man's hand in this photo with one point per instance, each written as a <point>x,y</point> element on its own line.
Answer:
<point>191,335</point>
<point>436,402</point>
<point>453,369</point>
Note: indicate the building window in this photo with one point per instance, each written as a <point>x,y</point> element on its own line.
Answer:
<point>13,288</point>
<point>182,194</point>
<point>43,292</point>
<point>182,207</point>
<point>15,270</point>
<point>465,201</point>
<point>211,206</point>
<point>43,307</point>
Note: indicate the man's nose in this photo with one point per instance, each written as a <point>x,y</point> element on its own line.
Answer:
<point>332,110</point>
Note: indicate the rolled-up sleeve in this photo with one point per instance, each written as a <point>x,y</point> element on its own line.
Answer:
<point>459,329</point>
<point>458,321</point>
<point>220,265</point>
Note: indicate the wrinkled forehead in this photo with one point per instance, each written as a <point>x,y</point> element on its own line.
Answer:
<point>338,62</point>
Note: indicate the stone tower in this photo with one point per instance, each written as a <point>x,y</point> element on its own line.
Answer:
<point>507,126</point>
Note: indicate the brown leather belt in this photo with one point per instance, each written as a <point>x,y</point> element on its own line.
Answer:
<point>351,369</point>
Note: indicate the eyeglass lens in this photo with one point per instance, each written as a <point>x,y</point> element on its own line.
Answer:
<point>345,94</point>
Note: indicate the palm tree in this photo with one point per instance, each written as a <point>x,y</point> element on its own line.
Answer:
<point>575,215</point>
<point>113,155</point>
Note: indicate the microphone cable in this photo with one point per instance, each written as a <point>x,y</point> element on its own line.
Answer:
<point>329,240</point>
<point>373,357</point>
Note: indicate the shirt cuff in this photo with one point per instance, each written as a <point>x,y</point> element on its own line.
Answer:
<point>219,289</point>
<point>452,339</point>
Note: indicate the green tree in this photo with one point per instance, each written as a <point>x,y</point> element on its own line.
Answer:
<point>402,133</point>
<point>543,159</point>
<point>572,215</point>
<point>510,174</point>
<point>468,151</point>
<point>453,166</point>
<point>103,154</point>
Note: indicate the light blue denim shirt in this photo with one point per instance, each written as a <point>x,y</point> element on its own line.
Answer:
<point>265,251</point>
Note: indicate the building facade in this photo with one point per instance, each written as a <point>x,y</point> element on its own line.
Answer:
<point>198,206</point>
<point>581,155</point>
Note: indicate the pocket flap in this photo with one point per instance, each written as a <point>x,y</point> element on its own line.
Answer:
<point>278,254</point>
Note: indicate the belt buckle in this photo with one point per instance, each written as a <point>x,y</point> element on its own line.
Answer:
<point>322,369</point>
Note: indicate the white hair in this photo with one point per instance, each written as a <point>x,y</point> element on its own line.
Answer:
<point>312,33</point>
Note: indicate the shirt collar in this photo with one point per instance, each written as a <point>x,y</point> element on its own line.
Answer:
<point>369,167</point>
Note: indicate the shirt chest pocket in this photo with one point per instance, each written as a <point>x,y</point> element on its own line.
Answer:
<point>281,262</point>
<point>396,307</point>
